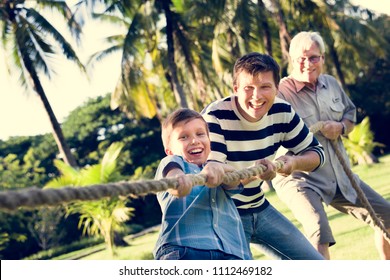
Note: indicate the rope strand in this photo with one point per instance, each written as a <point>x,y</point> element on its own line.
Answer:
<point>317,127</point>
<point>34,197</point>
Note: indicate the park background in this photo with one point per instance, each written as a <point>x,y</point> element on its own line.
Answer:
<point>163,55</point>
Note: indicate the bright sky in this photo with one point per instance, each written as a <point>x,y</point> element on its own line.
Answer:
<point>22,115</point>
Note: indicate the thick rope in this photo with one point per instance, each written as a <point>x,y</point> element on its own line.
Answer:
<point>317,127</point>
<point>34,197</point>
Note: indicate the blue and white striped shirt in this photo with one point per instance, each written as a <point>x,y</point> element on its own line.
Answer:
<point>240,143</point>
<point>205,219</point>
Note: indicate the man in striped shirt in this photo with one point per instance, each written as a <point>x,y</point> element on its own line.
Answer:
<point>247,128</point>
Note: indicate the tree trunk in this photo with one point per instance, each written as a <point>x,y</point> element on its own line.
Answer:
<point>284,36</point>
<point>337,65</point>
<point>109,238</point>
<point>177,88</point>
<point>266,31</point>
<point>57,131</point>
<point>333,53</point>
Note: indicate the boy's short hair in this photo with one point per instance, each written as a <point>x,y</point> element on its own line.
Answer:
<point>177,116</point>
<point>255,63</point>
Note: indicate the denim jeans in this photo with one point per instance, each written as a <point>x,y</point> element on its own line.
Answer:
<point>277,236</point>
<point>172,252</point>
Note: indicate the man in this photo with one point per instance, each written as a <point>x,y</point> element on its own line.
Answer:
<point>247,128</point>
<point>319,97</point>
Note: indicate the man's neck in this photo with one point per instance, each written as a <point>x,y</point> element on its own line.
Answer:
<point>312,86</point>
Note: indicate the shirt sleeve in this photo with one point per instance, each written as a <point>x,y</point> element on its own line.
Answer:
<point>304,140</point>
<point>350,108</point>
<point>167,164</point>
<point>217,138</point>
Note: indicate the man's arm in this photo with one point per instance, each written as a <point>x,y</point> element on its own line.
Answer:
<point>306,161</point>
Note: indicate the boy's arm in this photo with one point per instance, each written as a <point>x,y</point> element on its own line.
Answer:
<point>184,183</point>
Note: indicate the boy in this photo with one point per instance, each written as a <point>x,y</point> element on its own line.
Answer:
<point>199,222</point>
<point>248,128</point>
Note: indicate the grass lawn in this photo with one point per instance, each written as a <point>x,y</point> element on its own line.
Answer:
<point>354,239</point>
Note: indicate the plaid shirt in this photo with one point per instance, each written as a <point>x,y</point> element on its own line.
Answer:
<point>205,219</point>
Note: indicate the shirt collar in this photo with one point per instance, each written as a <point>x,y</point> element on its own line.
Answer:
<point>321,83</point>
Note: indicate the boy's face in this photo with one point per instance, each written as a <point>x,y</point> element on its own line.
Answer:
<point>255,94</point>
<point>190,140</point>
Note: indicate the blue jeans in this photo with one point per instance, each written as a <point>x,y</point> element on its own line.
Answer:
<point>277,236</point>
<point>172,252</point>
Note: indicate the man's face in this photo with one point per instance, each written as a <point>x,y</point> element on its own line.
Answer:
<point>255,94</point>
<point>307,65</point>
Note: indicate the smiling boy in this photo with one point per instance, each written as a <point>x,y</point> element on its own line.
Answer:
<point>198,222</point>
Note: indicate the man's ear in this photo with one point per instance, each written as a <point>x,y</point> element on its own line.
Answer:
<point>168,152</point>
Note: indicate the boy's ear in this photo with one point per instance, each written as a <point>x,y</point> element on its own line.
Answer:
<point>168,152</point>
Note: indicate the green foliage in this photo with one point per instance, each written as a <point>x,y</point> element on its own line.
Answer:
<point>360,143</point>
<point>21,163</point>
<point>98,126</point>
<point>61,250</point>
<point>4,239</point>
<point>45,226</point>
<point>100,217</point>
<point>14,235</point>
<point>28,161</point>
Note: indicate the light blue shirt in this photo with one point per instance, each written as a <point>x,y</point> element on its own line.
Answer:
<point>205,219</point>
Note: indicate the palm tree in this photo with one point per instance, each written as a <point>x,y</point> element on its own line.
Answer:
<point>183,51</point>
<point>31,42</point>
<point>155,45</point>
<point>284,35</point>
<point>140,89</point>
<point>170,31</point>
<point>265,27</point>
<point>100,217</point>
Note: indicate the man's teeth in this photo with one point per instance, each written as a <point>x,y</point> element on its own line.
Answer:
<point>257,105</point>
